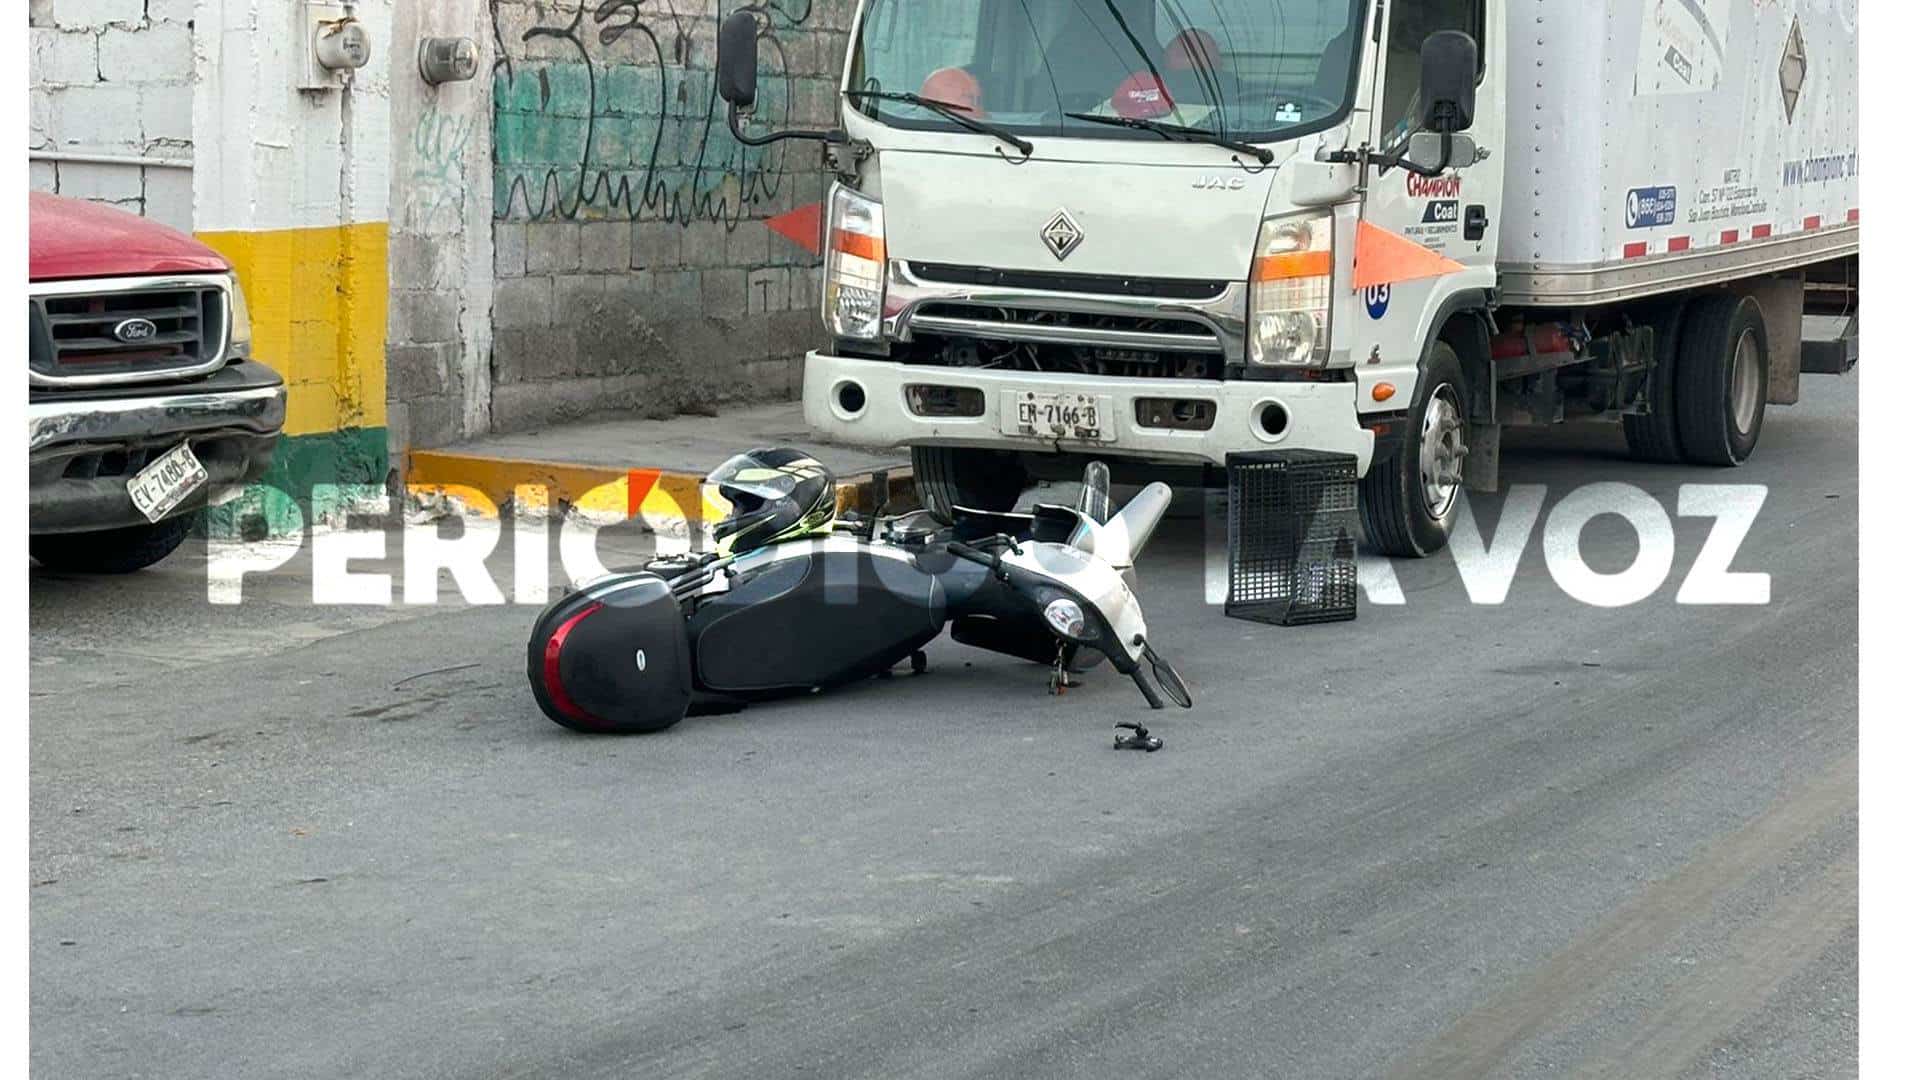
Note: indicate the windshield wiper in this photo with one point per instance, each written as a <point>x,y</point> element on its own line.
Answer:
<point>1178,132</point>
<point>953,112</point>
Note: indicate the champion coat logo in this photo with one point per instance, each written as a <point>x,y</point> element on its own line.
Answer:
<point>1433,187</point>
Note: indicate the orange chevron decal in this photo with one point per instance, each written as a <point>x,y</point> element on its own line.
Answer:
<point>1381,258</point>
<point>800,225</point>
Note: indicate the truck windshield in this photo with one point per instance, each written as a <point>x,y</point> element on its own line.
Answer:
<point>1250,70</point>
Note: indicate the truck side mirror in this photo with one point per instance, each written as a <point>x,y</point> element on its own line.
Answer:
<point>736,78</point>
<point>739,60</point>
<point>1449,70</point>
<point>1430,155</point>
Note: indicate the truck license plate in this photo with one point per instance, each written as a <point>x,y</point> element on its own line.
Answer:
<point>1084,417</point>
<point>166,481</point>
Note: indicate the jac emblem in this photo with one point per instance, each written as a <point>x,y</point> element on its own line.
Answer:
<point>1217,182</point>
<point>132,330</point>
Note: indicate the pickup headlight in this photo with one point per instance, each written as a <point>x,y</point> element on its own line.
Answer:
<point>1292,292</point>
<point>856,265</point>
<point>240,334</point>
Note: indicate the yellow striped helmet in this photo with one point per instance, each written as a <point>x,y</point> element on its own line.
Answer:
<point>775,493</point>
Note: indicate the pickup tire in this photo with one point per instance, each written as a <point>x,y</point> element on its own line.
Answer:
<point>1655,437</point>
<point>112,551</point>
<point>946,477</point>
<point>1720,379</point>
<point>1408,500</point>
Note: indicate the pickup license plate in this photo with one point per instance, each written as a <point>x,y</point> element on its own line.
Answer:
<point>166,481</point>
<point>1082,417</point>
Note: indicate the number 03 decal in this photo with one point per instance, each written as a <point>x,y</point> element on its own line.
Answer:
<point>1377,298</point>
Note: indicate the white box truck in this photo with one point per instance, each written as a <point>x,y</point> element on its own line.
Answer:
<point>1159,233</point>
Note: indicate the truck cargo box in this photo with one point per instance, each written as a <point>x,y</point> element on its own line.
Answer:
<point>1662,144</point>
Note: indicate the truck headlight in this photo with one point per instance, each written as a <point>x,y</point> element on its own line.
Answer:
<point>1291,292</point>
<point>856,265</point>
<point>240,328</point>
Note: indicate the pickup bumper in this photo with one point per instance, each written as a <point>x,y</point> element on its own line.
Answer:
<point>1317,416</point>
<point>84,445</point>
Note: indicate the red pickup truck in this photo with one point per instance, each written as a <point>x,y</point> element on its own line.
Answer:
<point>143,399</point>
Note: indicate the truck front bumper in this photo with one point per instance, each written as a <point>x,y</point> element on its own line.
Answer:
<point>83,447</point>
<point>1318,416</point>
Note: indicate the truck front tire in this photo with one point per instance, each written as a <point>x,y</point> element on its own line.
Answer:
<point>1409,499</point>
<point>946,477</point>
<point>1720,379</point>
<point>113,551</point>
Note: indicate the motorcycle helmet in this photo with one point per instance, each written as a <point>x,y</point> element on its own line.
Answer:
<point>775,493</point>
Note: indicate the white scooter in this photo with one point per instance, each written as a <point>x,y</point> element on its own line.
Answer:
<point>635,652</point>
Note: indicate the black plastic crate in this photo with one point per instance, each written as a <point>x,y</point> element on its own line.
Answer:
<point>1291,555</point>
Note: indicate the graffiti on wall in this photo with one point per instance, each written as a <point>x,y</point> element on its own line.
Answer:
<point>436,200</point>
<point>601,112</point>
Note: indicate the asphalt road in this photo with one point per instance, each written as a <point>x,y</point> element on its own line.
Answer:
<point>1446,840</point>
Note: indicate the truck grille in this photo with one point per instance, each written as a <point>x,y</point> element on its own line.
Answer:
<point>126,335</point>
<point>1068,342</point>
<point>1086,284</point>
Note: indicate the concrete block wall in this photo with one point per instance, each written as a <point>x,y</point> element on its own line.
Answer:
<point>635,272</point>
<point>439,331</point>
<point>292,185</point>
<point>113,79</point>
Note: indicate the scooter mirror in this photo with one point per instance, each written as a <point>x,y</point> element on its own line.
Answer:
<point>1169,679</point>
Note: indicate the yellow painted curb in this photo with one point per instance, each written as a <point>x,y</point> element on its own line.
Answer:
<point>487,484</point>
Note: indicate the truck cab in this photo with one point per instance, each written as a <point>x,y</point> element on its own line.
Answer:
<point>144,401</point>
<point>1162,234</point>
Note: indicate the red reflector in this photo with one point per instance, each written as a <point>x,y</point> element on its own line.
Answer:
<point>1636,249</point>
<point>1680,243</point>
<point>1761,232</point>
<point>561,699</point>
<point>1813,222</point>
<point>1853,217</point>
<point>1730,236</point>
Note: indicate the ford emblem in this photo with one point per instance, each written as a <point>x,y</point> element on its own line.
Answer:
<point>132,330</point>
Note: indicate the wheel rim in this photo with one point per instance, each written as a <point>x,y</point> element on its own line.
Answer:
<point>1443,452</point>
<point>1747,381</point>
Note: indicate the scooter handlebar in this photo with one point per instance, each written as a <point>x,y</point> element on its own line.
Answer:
<point>974,555</point>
